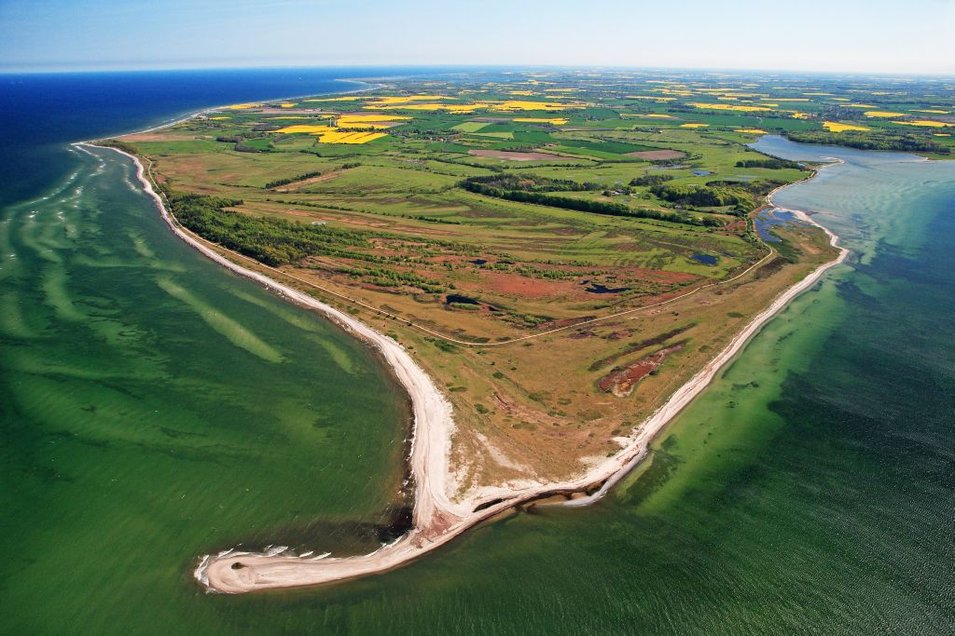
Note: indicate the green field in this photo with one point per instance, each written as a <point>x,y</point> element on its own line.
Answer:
<point>463,226</point>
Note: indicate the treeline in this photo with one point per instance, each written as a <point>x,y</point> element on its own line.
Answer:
<point>278,183</point>
<point>532,183</point>
<point>704,196</point>
<point>651,179</point>
<point>772,164</point>
<point>268,240</point>
<point>757,187</point>
<point>585,205</point>
<point>869,141</point>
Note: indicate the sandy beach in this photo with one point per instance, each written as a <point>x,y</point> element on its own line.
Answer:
<point>439,516</point>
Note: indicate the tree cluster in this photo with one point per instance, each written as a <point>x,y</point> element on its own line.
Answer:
<point>870,141</point>
<point>704,196</point>
<point>531,183</point>
<point>608,208</point>
<point>301,177</point>
<point>771,164</point>
<point>268,240</point>
<point>651,180</point>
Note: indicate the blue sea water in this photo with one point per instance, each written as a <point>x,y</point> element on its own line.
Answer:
<point>40,112</point>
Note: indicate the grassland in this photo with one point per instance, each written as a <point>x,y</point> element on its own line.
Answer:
<point>519,236</point>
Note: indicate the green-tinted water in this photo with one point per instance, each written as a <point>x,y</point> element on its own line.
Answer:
<point>155,407</point>
<point>810,490</point>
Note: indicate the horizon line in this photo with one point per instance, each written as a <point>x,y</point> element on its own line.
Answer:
<point>471,66</point>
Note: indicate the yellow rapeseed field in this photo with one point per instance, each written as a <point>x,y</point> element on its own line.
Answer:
<point>836,127</point>
<point>694,125</point>
<point>465,109</point>
<point>366,125</point>
<point>287,104</point>
<point>554,121</point>
<point>330,135</point>
<point>308,129</point>
<point>516,104</point>
<point>373,118</point>
<point>736,107</point>
<point>930,111</point>
<point>751,131</point>
<point>244,106</point>
<point>798,115</point>
<point>346,137</point>
<point>454,109</point>
<point>927,123</point>
<point>888,114</point>
<point>370,121</point>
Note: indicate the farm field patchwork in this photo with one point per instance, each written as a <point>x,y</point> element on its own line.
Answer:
<point>503,228</point>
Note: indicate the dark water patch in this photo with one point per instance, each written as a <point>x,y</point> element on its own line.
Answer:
<point>597,288</point>
<point>487,504</point>
<point>458,299</point>
<point>706,259</point>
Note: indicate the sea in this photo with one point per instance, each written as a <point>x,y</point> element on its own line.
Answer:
<point>155,408</point>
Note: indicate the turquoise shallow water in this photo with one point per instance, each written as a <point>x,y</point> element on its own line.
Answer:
<point>155,407</point>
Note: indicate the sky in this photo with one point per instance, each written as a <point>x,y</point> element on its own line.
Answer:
<point>874,36</point>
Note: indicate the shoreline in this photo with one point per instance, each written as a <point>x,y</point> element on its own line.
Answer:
<point>437,519</point>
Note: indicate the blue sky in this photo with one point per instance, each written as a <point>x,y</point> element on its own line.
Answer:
<point>917,36</point>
